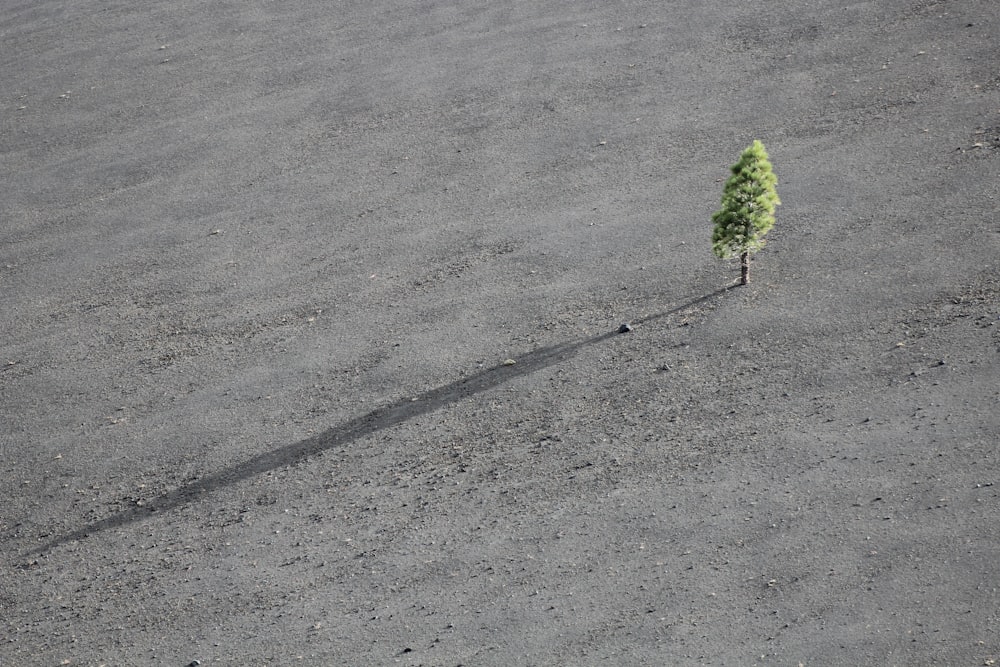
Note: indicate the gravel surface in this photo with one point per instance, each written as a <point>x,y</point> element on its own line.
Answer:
<point>311,344</point>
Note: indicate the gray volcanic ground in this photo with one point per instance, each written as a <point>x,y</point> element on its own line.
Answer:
<point>265,267</point>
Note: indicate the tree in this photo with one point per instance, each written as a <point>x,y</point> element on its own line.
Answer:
<point>748,202</point>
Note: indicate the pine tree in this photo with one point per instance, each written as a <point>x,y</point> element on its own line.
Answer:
<point>748,202</point>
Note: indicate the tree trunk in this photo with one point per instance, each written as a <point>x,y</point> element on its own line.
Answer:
<point>744,268</point>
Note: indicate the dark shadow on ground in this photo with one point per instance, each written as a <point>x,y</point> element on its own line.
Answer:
<point>387,416</point>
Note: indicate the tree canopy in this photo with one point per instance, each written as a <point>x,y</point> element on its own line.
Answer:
<point>749,199</point>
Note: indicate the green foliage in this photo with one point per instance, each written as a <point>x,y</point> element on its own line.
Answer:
<point>748,202</point>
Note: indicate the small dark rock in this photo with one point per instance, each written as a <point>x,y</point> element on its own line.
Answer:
<point>625,328</point>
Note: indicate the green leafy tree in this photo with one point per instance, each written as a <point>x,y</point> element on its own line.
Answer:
<point>748,202</point>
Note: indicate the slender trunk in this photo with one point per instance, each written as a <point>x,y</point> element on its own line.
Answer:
<point>744,268</point>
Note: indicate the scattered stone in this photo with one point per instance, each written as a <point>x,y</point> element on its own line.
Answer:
<point>625,328</point>
<point>509,362</point>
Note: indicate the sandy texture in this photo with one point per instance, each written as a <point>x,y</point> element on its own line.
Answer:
<point>264,267</point>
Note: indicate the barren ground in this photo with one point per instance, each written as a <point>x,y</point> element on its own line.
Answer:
<point>262,265</point>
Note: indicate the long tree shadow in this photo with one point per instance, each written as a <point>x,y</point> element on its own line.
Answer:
<point>381,418</point>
